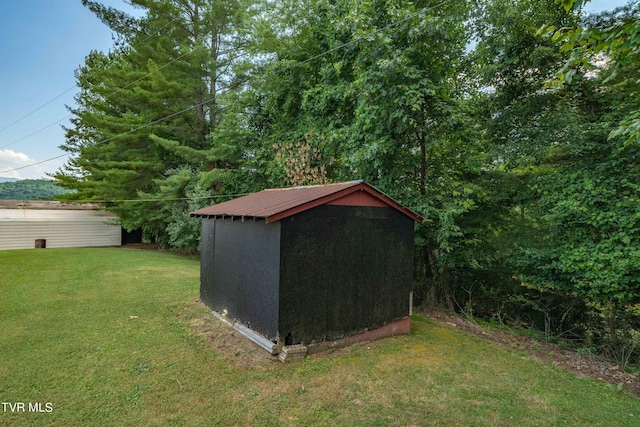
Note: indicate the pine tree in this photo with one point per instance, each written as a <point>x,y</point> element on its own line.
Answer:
<point>146,110</point>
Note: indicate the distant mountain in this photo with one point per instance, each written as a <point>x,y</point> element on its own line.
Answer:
<point>29,189</point>
<point>5,179</point>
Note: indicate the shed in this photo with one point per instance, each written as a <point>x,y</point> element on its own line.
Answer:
<point>313,264</point>
<point>26,224</point>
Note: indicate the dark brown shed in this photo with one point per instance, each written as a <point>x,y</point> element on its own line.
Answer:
<point>309,264</point>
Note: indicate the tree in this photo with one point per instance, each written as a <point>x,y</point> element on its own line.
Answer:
<point>612,39</point>
<point>587,198</point>
<point>29,189</point>
<point>521,123</point>
<point>380,83</point>
<point>147,110</point>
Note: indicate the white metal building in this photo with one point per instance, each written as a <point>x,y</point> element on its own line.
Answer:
<point>59,225</point>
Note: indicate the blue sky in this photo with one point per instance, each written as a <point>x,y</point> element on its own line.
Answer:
<point>42,42</point>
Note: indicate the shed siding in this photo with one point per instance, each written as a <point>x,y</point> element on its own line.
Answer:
<point>239,271</point>
<point>344,269</point>
<point>19,228</point>
<point>359,198</point>
<point>207,244</point>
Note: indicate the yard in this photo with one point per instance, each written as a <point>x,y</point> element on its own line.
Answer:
<point>115,336</point>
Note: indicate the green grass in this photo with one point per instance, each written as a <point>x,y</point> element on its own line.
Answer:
<point>67,338</point>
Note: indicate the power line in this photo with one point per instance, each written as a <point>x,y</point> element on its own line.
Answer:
<point>113,137</point>
<point>357,39</point>
<point>118,135</point>
<point>107,97</point>
<point>217,196</point>
<point>36,132</point>
<point>34,111</point>
<point>36,163</point>
<point>65,92</point>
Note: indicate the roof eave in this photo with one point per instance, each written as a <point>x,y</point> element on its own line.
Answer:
<point>339,194</point>
<point>310,204</point>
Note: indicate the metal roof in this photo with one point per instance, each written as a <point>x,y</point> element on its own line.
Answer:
<point>278,203</point>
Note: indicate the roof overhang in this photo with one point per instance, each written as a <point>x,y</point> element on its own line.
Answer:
<point>335,196</point>
<point>276,204</point>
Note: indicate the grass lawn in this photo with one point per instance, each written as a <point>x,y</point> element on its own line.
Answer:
<point>113,336</point>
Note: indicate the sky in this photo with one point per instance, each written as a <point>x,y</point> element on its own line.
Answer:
<point>42,43</point>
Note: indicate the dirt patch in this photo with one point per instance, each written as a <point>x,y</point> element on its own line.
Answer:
<point>586,366</point>
<point>233,346</point>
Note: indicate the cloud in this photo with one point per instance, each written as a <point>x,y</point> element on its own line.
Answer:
<point>11,160</point>
<point>13,156</point>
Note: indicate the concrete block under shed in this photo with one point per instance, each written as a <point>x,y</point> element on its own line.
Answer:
<point>290,353</point>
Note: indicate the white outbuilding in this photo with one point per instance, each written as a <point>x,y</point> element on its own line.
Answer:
<point>29,224</point>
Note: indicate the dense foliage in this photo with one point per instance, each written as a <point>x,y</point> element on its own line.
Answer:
<point>30,189</point>
<point>508,125</point>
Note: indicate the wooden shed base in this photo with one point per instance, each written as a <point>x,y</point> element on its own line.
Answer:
<point>399,327</point>
<point>249,333</point>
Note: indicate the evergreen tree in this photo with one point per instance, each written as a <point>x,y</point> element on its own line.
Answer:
<point>146,110</point>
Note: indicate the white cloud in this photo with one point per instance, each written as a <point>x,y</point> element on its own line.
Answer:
<point>11,160</point>
<point>13,156</point>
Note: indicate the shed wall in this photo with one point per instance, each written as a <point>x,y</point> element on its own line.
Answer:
<point>344,269</point>
<point>239,271</point>
<point>19,228</point>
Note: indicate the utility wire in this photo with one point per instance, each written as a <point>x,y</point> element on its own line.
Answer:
<point>357,39</point>
<point>63,93</point>
<point>34,111</point>
<point>217,196</point>
<point>104,141</point>
<point>36,132</point>
<point>107,97</point>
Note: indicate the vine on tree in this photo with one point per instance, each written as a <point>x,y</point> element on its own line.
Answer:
<point>303,161</point>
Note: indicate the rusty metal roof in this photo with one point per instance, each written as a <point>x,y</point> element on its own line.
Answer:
<point>278,203</point>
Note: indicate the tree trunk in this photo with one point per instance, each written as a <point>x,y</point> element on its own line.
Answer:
<point>611,325</point>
